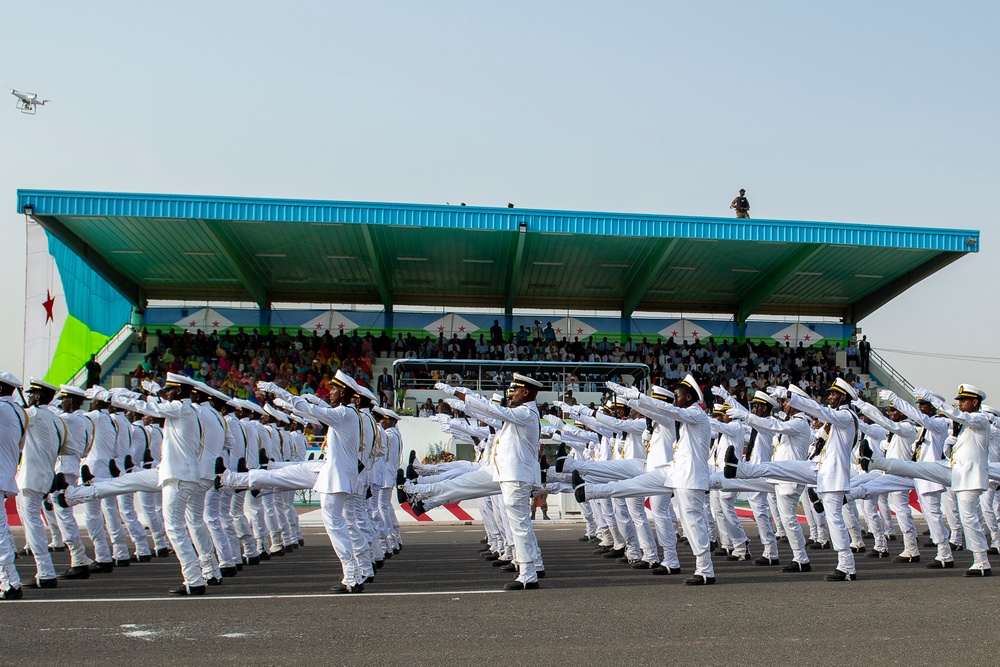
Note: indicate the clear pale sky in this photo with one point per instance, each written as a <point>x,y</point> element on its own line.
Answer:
<point>854,112</point>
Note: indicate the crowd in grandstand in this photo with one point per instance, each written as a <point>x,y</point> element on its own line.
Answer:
<point>304,363</point>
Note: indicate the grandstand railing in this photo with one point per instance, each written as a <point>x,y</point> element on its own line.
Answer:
<point>891,375</point>
<point>109,354</point>
<point>489,375</point>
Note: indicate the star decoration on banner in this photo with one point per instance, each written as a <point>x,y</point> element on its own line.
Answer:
<point>461,329</point>
<point>48,304</point>
<point>192,323</point>
<point>215,324</point>
<point>559,330</point>
<point>579,331</point>
<point>441,329</point>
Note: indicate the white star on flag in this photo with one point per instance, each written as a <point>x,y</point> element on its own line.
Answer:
<point>797,333</point>
<point>685,330</point>
<point>570,328</point>
<point>331,320</point>
<point>451,324</point>
<point>204,319</point>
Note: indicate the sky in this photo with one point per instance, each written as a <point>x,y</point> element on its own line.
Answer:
<point>880,113</point>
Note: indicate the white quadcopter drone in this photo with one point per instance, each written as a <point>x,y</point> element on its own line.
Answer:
<point>27,102</point>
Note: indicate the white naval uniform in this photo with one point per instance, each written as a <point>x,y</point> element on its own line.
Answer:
<point>211,542</point>
<point>125,447</point>
<point>179,476</point>
<point>833,470</point>
<point>967,471</point>
<point>13,426</point>
<point>337,478</point>
<point>515,467</point>
<point>76,435</point>
<point>241,451</point>
<point>104,512</point>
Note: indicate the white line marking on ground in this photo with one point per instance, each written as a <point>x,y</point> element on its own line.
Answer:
<point>258,597</point>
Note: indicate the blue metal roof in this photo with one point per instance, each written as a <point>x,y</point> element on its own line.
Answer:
<point>184,207</point>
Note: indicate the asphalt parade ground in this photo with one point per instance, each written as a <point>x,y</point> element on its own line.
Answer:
<point>437,603</point>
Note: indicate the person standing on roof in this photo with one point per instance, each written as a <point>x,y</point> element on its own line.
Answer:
<point>741,204</point>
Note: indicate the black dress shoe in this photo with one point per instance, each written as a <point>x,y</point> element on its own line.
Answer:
<point>213,581</point>
<point>640,565</point>
<point>228,571</point>
<point>659,568</point>
<point>875,553</point>
<point>518,586</point>
<point>601,550</point>
<point>412,458</point>
<point>993,551</point>
<point>78,572</point>
<point>840,575</point>
<point>815,500</point>
<point>220,467</point>
<point>905,559</point>
<point>241,465</point>
<point>859,550</point>
<point>396,550</point>
<point>102,568</point>
<point>561,453</point>
<point>280,553</point>
<point>940,565</point>
<point>891,538</point>
<point>613,553</point>
<point>400,477</point>
<point>738,557</point>
<point>491,556</point>
<point>585,538</point>
<point>418,508</point>
<point>764,560</point>
<point>864,454</point>
<point>302,543</point>
<point>411,473</point>
<point>721,551</point>
<point>53,550</point>
<point>624,560</point>
<point>484,541</point>
<point>369,579</point>
<point>59,483</point>
<point>185,590</point>
<point>85,475</point>
<point>379,564</point>
<point>239,567</point>
<point>732,461</point>
<point>819,545</point>
<point>699,580</point>
<point>978,572</point>
<point>145,558</point>
<point>12,594</point>
<point>44,583</point>
<point>264,555</point>
<point>500,562</point>
<point>956,547</point>
<point>579,490</point>
<point>347,590</point>
<point>540,574</point>
<point>509,567</point>
<point>253,560</point>
<point>162,553</point>
<point>796,566</point>
<point>122,562</point>
<point>782,538</point>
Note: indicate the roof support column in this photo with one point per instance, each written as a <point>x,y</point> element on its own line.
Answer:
<point>639,285</point>
<point>760,292</point>
<point>379,269</point>
<point>514,274</point>
<point>247,276</point>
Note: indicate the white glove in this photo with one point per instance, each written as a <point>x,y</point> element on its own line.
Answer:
<point>455,404</point>
<point>614,386</point>
<point>737,411</point>
<point>314,399</point>
<point>150,386</point>
<point>646,436</point>
<point>283,404</point>
<point>721,393</point>
<point>780,393</point>
<point>770,391</point>
<point>631,393</point>
<point>559,404</point>
<point>446,388</point>
<point>859,404</point>
<point>274,390</point>
<point>555,421</point>
<point>581,410</point>
<point>886,395</point>
<point>922,394</point>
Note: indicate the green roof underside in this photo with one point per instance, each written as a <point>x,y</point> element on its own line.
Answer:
<point>397,254</point>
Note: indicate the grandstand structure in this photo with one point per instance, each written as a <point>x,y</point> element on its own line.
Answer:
<point>98,263</point>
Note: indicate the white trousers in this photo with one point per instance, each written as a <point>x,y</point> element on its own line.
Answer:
<point>176,497</point>
<point>136,531</point>
<point>8,573</point>
<point>765,527</point>
<point>787,505</point>
<point>336,518</point>
<point>833,510</point>
<point>691,511</point>
<point>29,508</point>
<point>517,501</point>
